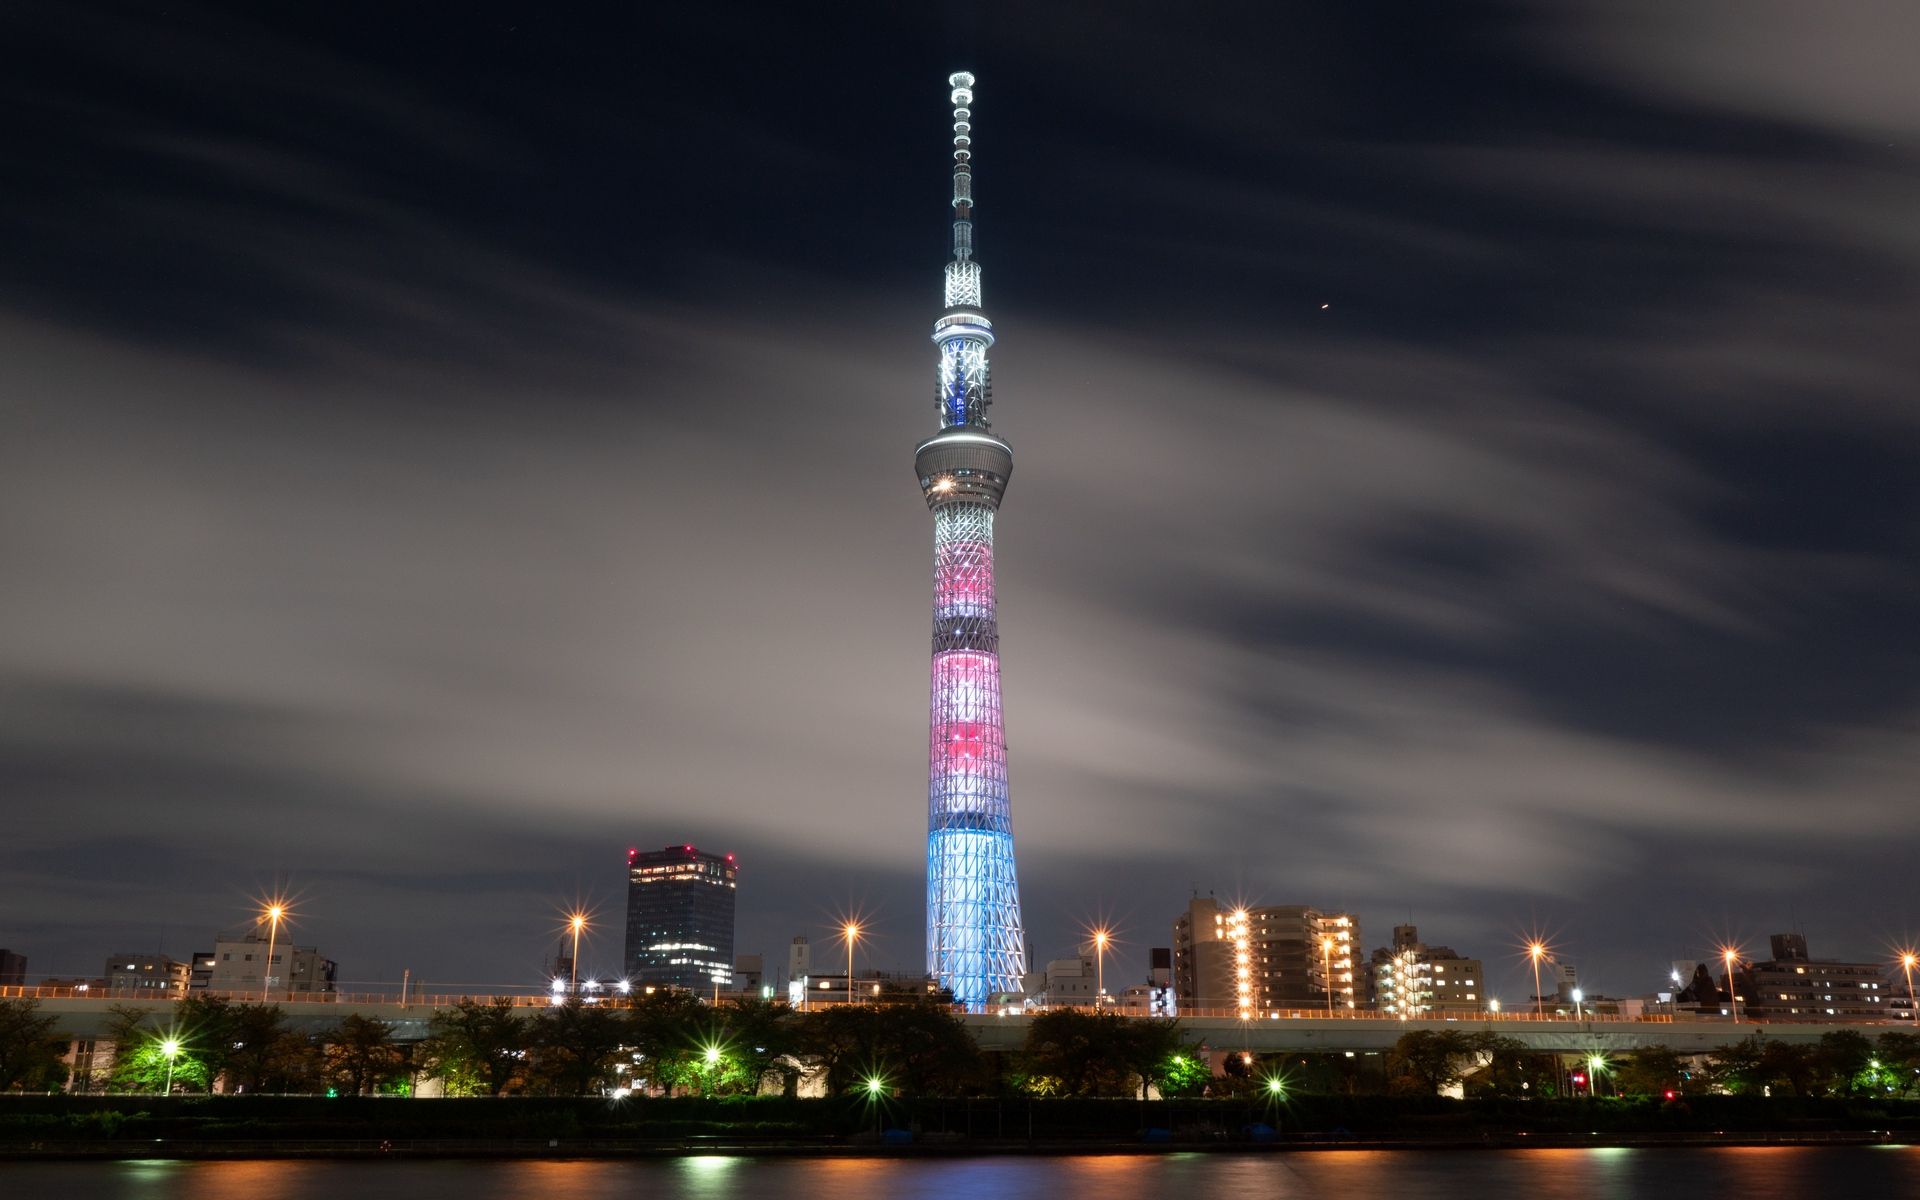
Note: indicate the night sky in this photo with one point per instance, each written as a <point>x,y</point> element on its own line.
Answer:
<point>1466,469</point>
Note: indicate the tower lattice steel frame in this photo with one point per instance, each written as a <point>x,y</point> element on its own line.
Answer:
<point>975,944</point>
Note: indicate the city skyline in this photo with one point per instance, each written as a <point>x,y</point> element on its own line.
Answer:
<point>1464,474</point>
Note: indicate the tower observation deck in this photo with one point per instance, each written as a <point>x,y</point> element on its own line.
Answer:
<point>975,943</point>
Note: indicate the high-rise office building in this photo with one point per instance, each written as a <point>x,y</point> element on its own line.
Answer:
<point>975,944</point>
<point>680,918</point>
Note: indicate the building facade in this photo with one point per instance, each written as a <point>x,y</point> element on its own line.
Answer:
<point>976,945</point>
<point>1277,958</point>
<point>1412,979</point>
<point>13,969</point>
<point>680,905</point>
<point>147,975</point>
<point>1792,986</point>
<point>252,964</point>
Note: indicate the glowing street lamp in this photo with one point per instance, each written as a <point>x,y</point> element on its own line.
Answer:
<point>1595,1064</point>
<point>851,932</point>
<point>1731,957</point>
<point>576,921</point>
<point>1100,939</point>
<point>1908,961</point>
<point>273,914</point>
<point>170,1048</point>
<point>1537,950</point>
<point>1577,997</point>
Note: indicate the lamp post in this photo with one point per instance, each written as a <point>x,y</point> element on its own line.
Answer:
<point>1536,950</point>
<point>1577,997</point>
<point>170,1048</point>
<point>1731,957</point>
<point>577,922</point>
<point>275,911</point>
<point>850,931</point>
<point>1100,938</point>
<point>1907,963</point>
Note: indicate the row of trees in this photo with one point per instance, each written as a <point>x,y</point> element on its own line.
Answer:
<point>671,1043</point>
<point>1842,1063</point>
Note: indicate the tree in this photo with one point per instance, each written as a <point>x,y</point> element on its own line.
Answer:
<point>1512,1068</point>
<point>1791,1066</point>
<point>1899,1055</point>
<point>30,1051</point>
<point>575,1045</point>
<point>140,1059</point>
<point>841,1041</point>
<point>926,1049</point>
<point>1840,1062</point>
<point>208,1026</point>
<point>1650,1071</point>
<point>1147,1048</point>
<point>670,1030</point>
<point>478,1048</point>
<point>359,1055</point>
<point>757,1034</point>
<point>1737,1067</point>
<point>1424,1061</point>
<point>267,1056</point>
<point>1069,1052</point>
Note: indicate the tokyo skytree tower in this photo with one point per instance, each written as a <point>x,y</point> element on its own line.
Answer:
<point>975,945</point>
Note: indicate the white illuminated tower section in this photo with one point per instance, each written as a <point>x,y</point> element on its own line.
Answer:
<point>975,945</point>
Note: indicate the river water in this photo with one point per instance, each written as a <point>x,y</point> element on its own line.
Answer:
<point>1878,1172</point>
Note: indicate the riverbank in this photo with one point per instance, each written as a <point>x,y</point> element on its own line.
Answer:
<point>567,1149</point>
<point>54,1126</point>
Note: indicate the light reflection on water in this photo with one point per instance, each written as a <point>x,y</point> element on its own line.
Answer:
<point>1759,1173</point>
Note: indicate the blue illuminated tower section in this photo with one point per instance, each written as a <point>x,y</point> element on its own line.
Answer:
<point>975,945</point>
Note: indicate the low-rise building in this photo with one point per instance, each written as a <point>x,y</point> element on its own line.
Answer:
<point>1791,986</point>
<point>147,976</point>
<point>1411,978</point>
<point>253,964</point>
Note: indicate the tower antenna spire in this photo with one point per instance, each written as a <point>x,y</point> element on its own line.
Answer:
<point>962,96</point>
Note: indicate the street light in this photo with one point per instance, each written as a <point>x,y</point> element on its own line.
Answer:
<point>1577,997</point>
<point>1594,1064</point>
<point>850,931</point>
<point>275,912</point>
<point>170,1048</point>
<point>1536,950</point>
<point>1731,957</point>
<point>1907,962</point>
<point>1100,939</point>
<point>577,921</point>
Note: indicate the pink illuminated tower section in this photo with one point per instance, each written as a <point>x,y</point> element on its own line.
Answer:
<point>975,945</point>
